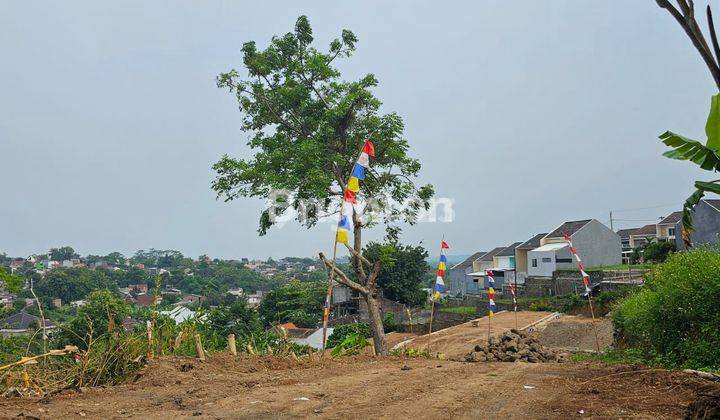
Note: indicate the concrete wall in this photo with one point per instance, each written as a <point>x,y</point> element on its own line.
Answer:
<point>597,245</point>
<point>521,261</point>
<point>706,220</point>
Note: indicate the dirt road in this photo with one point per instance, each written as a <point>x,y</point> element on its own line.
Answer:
<point>244,387</point>
<point>455,342</point>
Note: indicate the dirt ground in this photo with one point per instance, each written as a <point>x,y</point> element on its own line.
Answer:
<point>245,387</point>
<point>455,342</point>
<point>576,333</point>
<point>391,387</point>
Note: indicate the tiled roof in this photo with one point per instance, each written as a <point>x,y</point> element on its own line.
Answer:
<point>489,256</point>
<point>568,228</point>
<point>22,321</point>
<point>468,261</point>
<point>533,242</point>
<point>509,251</point>
<point>625,233</point>
<point>713,202</point>
<point>672,218</point>
<point>645,230</point>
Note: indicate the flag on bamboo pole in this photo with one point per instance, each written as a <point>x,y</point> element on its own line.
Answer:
<point>439,288</point>
<point>581,266</point>
<point>491,293</point>
<point>351,189</point>
<point>514,297</point>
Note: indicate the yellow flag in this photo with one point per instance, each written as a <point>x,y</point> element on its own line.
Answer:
<point>342,236</point>
<point>441,266</point>
<point>353,184</point>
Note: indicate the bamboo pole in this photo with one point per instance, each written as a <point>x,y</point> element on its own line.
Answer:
<point>199,348</point>
<point>148,327</point>
<point>231,344</point>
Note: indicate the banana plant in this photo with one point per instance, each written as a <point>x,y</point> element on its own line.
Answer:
<point>706,156</point>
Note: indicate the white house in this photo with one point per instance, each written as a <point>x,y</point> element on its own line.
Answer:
<point>595,243</point>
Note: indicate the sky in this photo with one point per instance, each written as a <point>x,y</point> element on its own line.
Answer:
<point>525,113</point>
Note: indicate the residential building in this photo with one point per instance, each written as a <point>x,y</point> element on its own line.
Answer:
<point>521,256</point>
<point>596,244</point>
<point>665,228</point>
<point>179,314</point>
<point>22,323</point>
<point>642,236</point>
<point>624,235</point>
<point>501,261</point>
<point>458,275</point>
<point>480,265</point>
<point>138,288</point>
<point>706,222</point>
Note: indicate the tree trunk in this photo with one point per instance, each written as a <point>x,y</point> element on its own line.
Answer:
<point>376,324</point>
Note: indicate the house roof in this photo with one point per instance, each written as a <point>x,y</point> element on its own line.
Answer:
<point>469,260</point>
<point>715,203</point>
<point>568,228</point>
<point>489,256</point>
<point>22,321</point>
<point>644,231</point>
<point>552,247</point>
<point>625,233</point>
<point>672,218</point>
<point>508,251</point>
<point>533,242</point>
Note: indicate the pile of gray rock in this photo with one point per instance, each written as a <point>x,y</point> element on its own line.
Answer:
<point>514,346</point>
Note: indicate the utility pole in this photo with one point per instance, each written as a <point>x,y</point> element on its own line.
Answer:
<point>611,222</point>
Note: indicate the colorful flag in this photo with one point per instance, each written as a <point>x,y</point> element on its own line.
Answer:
<point>439,288</point>
<point>351,190</point>
<point>491,293</point>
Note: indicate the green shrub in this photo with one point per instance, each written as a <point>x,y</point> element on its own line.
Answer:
<point>541,305</point>
<point>657,252</point>
<point>676,317</point>
<point>389,323</point>
<point>340,332</point>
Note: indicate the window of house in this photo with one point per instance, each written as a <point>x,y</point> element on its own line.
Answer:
<point>547,259</point>
<point>563,260</point>
<point>534,262</point>
<point>671,231</point>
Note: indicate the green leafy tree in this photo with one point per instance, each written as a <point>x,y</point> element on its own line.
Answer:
<point>63,253</point>
<point>13,283</point>
<point>296,302</point>
<point>307,127</point>
<point>657,252</point>
<point>72,283</point>
<point>235,319</point>
<point>403,271</point>
<point>103,312</point>
<point>706,156</point>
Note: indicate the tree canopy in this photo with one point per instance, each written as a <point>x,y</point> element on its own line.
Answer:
<point>296,302</point>
<point>63,253</point>
<point>307,126</point>
<point>403,271</point>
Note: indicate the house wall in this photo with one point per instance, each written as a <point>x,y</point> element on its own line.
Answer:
<point>663,231</point>
<point>707,227</point>
<point>544,268</point>
<point>504,262</point>
<point>597,245</point>
<point>521,261</point>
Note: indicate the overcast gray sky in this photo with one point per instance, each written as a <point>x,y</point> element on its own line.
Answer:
<point>526,113</point>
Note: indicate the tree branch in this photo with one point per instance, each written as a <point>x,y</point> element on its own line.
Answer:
<point>689,25</point>
<point>713,34</point>
<point>372,278</point>
<point>359,255</point>
<point>342,277</point>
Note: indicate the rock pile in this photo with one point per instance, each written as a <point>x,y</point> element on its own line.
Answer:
<point>513,346</point>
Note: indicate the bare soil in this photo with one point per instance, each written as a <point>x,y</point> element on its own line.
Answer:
<point>576,333</point>
<point>389,387</point>
<point>259,387</point>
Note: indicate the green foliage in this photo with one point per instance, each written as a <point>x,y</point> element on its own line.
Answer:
<point>13,283</point>
<point>657,252</point>
<point>352,344</point>
<point>70,284</point>
<point>402,273</point>
<point>676,316</point>
<point>298,302</point>
<point>63,253</point>
<point>461,310</point>
<point>411,352</point>
<point>541,306</point>
<point>706,156</point>
<point>389,323</point>
<point>341,332</point>
<point>235,319</point>
<point>104,311</point>
<point>307,127</point>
